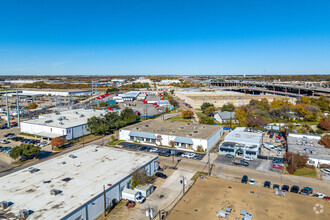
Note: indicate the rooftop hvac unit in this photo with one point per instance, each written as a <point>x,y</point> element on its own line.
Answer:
<point>203,126</point>
<point>57,113</point>
<point>77,113</point>
<point>33,169</point>
<point>190,134</point>
<point>237,135</point>
<point>146,125</point>
<point>173,131</point>
<point>23,213</point>
<point>54,192</point>
<point>60,119</point>
<point>162,128</point>
<point>72,156</point>
<point>195,131</point>
<point>64,117</point>
<point>81,116</point>
<point>61,123</point>
<point>195,127</point>
<point>3,205</point>
<point>181,127</point>
<point>188,123</point>
<point>136,128</point>
<point>48,121</point>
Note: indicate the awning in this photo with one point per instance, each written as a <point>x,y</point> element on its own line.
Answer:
<point>142,134</point>
<point>48,134</point>
<point>183,140</point>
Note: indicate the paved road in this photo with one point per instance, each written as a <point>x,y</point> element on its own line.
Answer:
<point>235,173</point>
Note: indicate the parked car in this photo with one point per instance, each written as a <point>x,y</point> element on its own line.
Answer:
<point>294,189</point>
<point>160,175</point>
<point>252,181</point>
<point>142,148</point>
<point>14,124</point>
<point>319,195</point>
<point>197,157</point>
<point>306,191</point>
<point>285,188</point>
<point>153,150</point>
<point>267,184</point>
<point>9,134</point>
<point>4,142</point>
<point>326,197</point>
<point>188,155</point>
<point>278,166</point>
<point>245,179</point>
<point>326,171</point>
<point>241,162</point>
<point>179,153</point>
<point>229,156</point>
<point>276,186</point>
<point>247,158</point>
<point>165,153</point>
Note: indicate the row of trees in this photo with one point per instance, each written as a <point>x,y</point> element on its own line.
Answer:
<point>258,113</point>
<point>111,120</point>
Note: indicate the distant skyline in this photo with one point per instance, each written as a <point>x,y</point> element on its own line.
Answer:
<point>187,37</point>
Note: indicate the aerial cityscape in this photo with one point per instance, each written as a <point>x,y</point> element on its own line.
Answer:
<point>164,110</point>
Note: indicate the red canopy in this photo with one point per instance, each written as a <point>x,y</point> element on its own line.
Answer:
<point>110,109</point>
<point>107,94</point>
<point>156,106</point>
<point>155,103</point>
<point>98,98</point>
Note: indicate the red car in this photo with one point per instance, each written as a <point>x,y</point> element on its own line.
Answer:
<point>277,166</point>
<point>326,197</point>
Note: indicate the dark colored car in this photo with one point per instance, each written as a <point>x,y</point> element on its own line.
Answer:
<point>229,156</point>
<point>267,184</point>
<point>285,188</point>
<point>179,153</point>
<point>306,191</point>
<point>276,186</point>
<point>245,179</point>
<point>147,148</point>
<point>143,148</point>
<point>294,189</point>
<point>9,134</point>
<point>160,175</point>
<point>130,146</point>
<point>165,153</point>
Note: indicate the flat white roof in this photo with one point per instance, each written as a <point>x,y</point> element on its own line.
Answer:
<point>244,137</point>
<point>89,171</point>
<point>72,118</point>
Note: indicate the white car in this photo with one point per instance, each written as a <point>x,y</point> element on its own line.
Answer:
<point>247,158</point>
<point>319,195</point>
<point>154,149</point>
<point>252,181</point>
<point>326,171</point>
<point>188,155</point>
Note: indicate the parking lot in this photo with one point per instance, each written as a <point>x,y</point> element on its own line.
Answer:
<point>256,164</point>
<point>157,150</point>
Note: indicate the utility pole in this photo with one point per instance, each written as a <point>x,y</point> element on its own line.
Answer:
<point>8,121</point>
<point>183,185</point>
<point>18,110</point>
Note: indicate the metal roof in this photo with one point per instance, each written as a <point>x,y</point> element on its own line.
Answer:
<point>183,140</point>
<point>142,134</point>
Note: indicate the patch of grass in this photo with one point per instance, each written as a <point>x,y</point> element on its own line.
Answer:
<point>306,172</point>
<point>115,142</point>
<point>178,118</point>
<point>198,174</point>
<point>25,134</point>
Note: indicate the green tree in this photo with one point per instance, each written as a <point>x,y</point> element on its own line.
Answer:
<point>228,107</point>
<point>187,114</point>
<point>209,110</point>
<point>103,104</point>
<point>24,150</point>
<point>112,90</point>
<point>205,106</point>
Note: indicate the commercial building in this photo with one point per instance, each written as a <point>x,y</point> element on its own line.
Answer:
<point>70,124</point>
<point>307,144</point>
<point>70,186</point>
<point>55,93</point>
<point>184,135</point>
<point>242,143</point>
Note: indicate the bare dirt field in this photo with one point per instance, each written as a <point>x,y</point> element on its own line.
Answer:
<point>208,196</point>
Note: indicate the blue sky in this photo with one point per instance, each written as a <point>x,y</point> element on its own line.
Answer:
<point>164,37</point>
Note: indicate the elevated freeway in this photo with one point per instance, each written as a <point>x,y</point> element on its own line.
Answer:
<point>280,89</point>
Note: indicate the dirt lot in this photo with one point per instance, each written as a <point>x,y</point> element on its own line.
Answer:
<point>208,196</point>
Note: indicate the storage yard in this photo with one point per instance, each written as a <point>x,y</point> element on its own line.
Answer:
<point>210,195</point>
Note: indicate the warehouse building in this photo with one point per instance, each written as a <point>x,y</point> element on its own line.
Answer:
<point>241,143</point>
<point>70,124</point>
<point>307,144</point>
<point>184,135</point>
<point>70,186</point>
